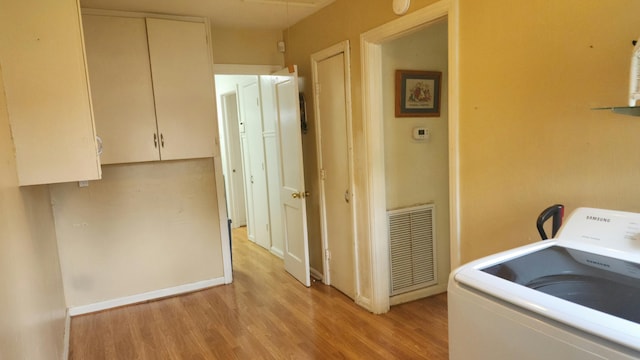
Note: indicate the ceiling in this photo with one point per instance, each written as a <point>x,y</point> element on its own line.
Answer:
<point>261,14</point>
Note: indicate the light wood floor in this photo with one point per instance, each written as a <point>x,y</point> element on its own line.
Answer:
<point>264,314</point>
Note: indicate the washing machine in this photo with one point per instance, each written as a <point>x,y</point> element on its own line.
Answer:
<point>576,296</point>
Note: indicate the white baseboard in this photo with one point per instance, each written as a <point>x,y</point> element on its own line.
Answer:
<point>151,295</point>
<point>316,274</point>
<point>67,336</point>
<point>417,294</point>
<point>365,302</point>
<point>277,252</point>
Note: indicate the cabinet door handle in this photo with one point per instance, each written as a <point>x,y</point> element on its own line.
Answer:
<point>161,139</point>
<point>155,140</point>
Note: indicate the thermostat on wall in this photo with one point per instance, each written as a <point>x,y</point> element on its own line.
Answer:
<point>420,134</point>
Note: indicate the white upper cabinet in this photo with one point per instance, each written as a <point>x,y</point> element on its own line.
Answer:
<point>152,88</point>
<point>45,78</point>
<point>183,87</point>
<point>121,88</point>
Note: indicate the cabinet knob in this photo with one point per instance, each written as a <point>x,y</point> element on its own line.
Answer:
<point>155,140</point>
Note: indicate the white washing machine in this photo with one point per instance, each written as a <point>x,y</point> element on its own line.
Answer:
<point>573,297</point>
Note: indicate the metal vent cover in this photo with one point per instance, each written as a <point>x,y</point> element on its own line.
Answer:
<point>412,248</point>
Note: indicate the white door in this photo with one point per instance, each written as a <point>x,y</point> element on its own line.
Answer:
<point>258,204</point>
<point>292,191</point>
<point>182,74</point>
<point>235,171</point>
<point>336,194</point>
<point>121,88</point>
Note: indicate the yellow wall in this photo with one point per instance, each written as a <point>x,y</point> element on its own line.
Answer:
<point>32,308</point>
<point>529,73</point>
<point>246,46</point>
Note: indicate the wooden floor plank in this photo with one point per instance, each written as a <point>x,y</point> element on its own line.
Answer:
<point>264,314</point>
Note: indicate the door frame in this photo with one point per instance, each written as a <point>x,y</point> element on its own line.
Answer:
<point>230,69</point>
<point>373,126</point>
<point>340,48</point>
<point>233,202</point>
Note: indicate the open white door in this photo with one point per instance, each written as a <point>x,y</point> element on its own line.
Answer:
<point>292,192</point>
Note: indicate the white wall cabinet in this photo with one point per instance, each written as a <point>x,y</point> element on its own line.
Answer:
<point>152,88</point>
<point>43,63</point>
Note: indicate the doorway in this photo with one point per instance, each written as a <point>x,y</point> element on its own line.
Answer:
<point>373,119</point>
<point>268,124</point>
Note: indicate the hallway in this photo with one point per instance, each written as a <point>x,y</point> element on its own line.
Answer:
<point>264,314</point>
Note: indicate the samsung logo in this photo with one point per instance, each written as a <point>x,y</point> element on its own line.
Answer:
<point>598,263</point>
<point>598,218</point>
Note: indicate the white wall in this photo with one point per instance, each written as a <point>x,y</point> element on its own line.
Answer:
<point>417,173</point>
<point>143,227</point>
<point>32,308</point>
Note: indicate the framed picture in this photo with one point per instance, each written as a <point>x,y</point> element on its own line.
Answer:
<point>417,93</point>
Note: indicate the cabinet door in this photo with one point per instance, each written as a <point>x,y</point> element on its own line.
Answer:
<point>183,87</point>
<point>42,57</point>
<point>121,88</point>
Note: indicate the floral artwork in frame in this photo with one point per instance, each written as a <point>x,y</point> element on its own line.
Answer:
<point>418,93</point>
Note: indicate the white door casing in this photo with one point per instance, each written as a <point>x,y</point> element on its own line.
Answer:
<point>292,192</point>
<point>330,69</point>
<point>370,43</point>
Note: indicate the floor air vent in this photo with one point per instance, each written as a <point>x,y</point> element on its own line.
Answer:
<point>412,248</point>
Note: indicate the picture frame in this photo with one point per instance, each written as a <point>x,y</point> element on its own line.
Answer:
<point>418,93</point>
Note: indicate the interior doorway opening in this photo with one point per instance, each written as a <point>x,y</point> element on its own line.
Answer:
<point>373,109</point>
<point>265,135</point>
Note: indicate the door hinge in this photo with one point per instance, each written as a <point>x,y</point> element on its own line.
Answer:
<point>323,174</point>
<point>318,88</point>
<point>327,254</point>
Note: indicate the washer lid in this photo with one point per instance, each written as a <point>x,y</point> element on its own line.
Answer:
<point>554,279</point>
<point>595,281</point>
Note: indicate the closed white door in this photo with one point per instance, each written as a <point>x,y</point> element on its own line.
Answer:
<point>336,197</point>
<point>237,206</point>
<point>292,191</point>
<point>248,189</point>
<point>251,115</point>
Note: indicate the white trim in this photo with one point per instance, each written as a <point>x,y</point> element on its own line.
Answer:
<point>133,14</point>
<point>151,295</point>
<point>316,274</point>
<point>223,219</point>
<point>454,133</point>
<point>340,48</point>
<point>365,302</point>
<point>67,335</point>
<point>418,294</point>
<point>277,252</point>
<point>370,43</point>
<point>236,69</point>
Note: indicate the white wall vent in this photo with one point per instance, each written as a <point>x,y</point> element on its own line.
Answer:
<point>412,249</point>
